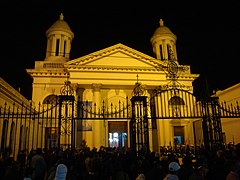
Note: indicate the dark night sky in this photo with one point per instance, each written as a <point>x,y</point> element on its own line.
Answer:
<point>208,34</point>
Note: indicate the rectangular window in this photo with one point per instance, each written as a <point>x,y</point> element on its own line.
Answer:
<point>85,109</point>
<point>51,137</point>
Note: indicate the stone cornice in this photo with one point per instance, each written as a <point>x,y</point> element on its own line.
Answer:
<point>110,68</point>
<point>227,90</point>
<point>47,73</point>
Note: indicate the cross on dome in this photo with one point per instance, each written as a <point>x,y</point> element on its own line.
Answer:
<point>161,22</point>
<point>61,16</point>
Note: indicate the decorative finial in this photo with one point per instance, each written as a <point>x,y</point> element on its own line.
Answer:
<point>61,16</point>
<point>138,89</point>
<point>67,89</point>
<point>161,22</point>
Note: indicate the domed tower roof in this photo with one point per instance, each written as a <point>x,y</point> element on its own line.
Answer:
<point>163,30</point>
<point>60,25</point>
<point>164,43</point>
<point>59,39</point>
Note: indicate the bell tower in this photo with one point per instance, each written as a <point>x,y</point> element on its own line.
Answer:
<point>164,43</point>
<point>59,39</point>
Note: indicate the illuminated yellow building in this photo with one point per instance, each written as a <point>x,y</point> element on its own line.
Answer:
<point>109,75</point>
<point>12,130</point>
<point>230,126</point>
<point>10,96</point>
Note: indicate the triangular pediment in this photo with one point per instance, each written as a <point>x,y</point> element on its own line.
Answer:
<point>115,57</point>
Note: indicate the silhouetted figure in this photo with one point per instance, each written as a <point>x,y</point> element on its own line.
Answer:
<point>38,166</point>
<point>234,174</point>
<point>186,167</point>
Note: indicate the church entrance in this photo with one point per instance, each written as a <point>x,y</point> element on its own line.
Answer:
<point>178,135</point>
<point>117,134</point>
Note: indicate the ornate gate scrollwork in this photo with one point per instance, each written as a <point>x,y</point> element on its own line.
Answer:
<point>139,133</point>
<point>66,123</point>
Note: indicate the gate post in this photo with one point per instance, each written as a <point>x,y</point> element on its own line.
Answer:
<point>139,125</point>
<point>212,128</point>
<point>139,135</point>
<point>67,99</point>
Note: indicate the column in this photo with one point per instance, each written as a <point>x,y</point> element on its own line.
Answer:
<point>153,133</point>
<point>78,95</point>
<point>98,136</point>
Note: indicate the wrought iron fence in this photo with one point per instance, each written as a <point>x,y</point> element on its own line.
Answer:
<point>27,127</point>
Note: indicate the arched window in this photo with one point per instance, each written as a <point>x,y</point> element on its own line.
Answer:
<point>64,49</point>
<point>12,138</point>
<point>176,105</point>
<point>169,52</point>
<point>51,99</point>
<point>21,138</point>
<point>57,47</point>
<point>26,140</point>
<point>176,100</point>
<point>4,135</point>
<point>161,52</point>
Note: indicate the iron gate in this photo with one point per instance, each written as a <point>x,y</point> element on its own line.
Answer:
<point>178,104</point>
<point>53,123</point>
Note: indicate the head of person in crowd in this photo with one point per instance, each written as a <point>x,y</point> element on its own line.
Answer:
<point>173,169</point>
<point>236,167</point>
<point>61,172</point>
<point>39,151</point>
<point>140,177</point>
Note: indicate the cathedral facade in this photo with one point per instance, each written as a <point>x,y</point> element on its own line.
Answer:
<point>110,75</point>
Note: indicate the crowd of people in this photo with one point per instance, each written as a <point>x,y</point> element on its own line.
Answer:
<point>122,164</point>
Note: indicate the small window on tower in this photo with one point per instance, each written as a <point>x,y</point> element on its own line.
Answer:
<point>169,52</point>
<point>57,47</point>
<point>161,53</point>
<point>64,49</point>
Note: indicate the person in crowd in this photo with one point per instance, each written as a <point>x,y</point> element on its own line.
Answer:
<point>51,173</point>
<point>234,174</point>
<point>61,172</point>
<point>218,170</point>
<point>173,170</point>
<point>38,166</point>
<point>119,173</point>
<point>186,167</point>
<point>141,176</point>
<point>156,171</point>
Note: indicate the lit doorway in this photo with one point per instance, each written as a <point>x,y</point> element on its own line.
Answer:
<point>178,135</point>
<point>117,134</point>
<point>117,139</point>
